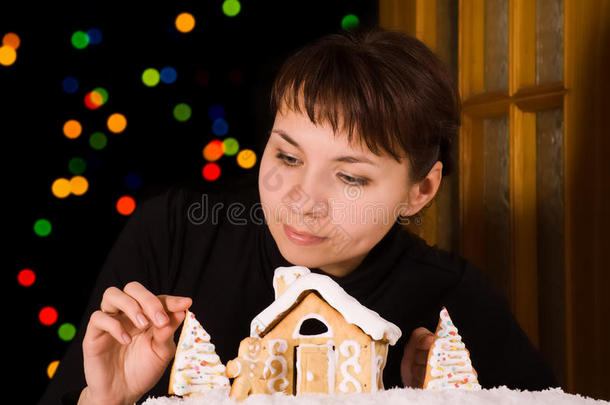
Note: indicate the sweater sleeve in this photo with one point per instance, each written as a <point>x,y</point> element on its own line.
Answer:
<point>500,351</point>
<point>138,254</point>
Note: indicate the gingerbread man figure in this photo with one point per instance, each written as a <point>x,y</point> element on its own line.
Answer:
<point>247,370</point>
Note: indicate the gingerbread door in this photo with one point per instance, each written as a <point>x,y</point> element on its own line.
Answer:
<point>315,369</point>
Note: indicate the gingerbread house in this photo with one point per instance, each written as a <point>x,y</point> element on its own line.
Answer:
<point>315,338</point>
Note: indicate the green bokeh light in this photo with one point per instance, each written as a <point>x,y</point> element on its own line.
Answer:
<point>102,92</point>
<point>42,227</point>
<point>98,140</point>
<point>350,21</point>
<point>66,332</point>
<point>80,39</point>
<point>231,146</point>
<point>182,112</point>
<point>77,165</point>
<point>231,7</point>
<point>151,77</point>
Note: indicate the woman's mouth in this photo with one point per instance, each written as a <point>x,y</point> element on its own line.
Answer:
<point>302,238</point>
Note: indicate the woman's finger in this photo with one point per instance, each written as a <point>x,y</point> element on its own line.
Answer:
<point>101,324</point>
<point>163,337</point>
<point>115,301</point>
<point>149,302</point>
<point>420,357</point>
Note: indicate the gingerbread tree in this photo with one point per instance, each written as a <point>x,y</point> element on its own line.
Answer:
<point>197,368</point>
<point>449,364</point>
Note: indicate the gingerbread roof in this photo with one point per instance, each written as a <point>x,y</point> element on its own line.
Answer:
<point>353,312</point>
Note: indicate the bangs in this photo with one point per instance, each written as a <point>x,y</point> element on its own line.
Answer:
<point>336,86</point>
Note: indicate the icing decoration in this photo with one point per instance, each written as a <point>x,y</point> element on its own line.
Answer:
<point>197,367</point>
<point>277,347</point>
<point>351,310</point>
<point>350,361</point>
<point>331,355</point>
<point>449,364</point>
<point>287,275</point>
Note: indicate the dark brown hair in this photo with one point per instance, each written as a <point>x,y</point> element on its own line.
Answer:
<point>386,85</point>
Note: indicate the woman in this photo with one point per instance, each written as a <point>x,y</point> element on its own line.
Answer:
<point>363,125</point>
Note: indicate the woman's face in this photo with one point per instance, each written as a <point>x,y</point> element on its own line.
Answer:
<point>319,184</point>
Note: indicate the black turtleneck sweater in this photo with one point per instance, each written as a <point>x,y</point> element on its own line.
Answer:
<point>192,243</point>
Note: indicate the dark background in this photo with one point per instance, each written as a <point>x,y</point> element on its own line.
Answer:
<point>163,151</point>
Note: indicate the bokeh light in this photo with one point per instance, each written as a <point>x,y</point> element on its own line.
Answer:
<point>126,205</point>
<point>77,165</point>
<point>47,316</point>
<point>168,75</point>
<point>79,185</point>
<point>350,21</point>
<point>42,227</point>
<point>220,127</point>
<point>98,140</point>
<point>231,7</point>
<point>66,332</point>
<point>231,146</point>
<point>102,93</point>
<point>51,368</point>
<point>11,39</point>
<point>133,181</point>
<point>246,158</point>
<point>70,85</point>
<point>72,129</point>
<point>116,123</point>
<point>94,35</point>
<point>216,111</point>
<point>185,22</point>
<point>182,112</point>
<point>8,55</point>
<point>91,102</point>
<point>211,171</point>
<point>61,188</point>
<point>213,150</point>
<point>151,77</point>
<point>80,39</point>
<point>26,277</point>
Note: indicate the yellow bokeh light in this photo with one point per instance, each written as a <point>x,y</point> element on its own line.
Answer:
<point>117,123</point>
<point>96,98</point>
<point>185,22</point>
<point>246,158</point>
<point>79,185</point>
<point>61,188</point>
<point>8,55</point>
<point>52,368</point>
<point>72,129</point>
<point>11,39</point>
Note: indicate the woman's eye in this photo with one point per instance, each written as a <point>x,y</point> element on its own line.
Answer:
<point>292,162</point>
<point>354,181</point>
<point>287,160</point>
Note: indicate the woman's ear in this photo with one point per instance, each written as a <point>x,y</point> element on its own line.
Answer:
<point>423,192</point>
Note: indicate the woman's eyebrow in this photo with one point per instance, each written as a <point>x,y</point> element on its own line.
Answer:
<point>346,159</point>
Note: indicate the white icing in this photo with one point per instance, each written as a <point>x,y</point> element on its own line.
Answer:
<point>296,334</point>
<point>351,310</point>
<point>449,360</point>
<point>350,361</point>
<point>197,367</point>
<point>309,376</point>
<point>289,275</point>
<point>276,355</point>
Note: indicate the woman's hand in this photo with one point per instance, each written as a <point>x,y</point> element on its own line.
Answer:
<point>129,343</point>
<point>415,357</point>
